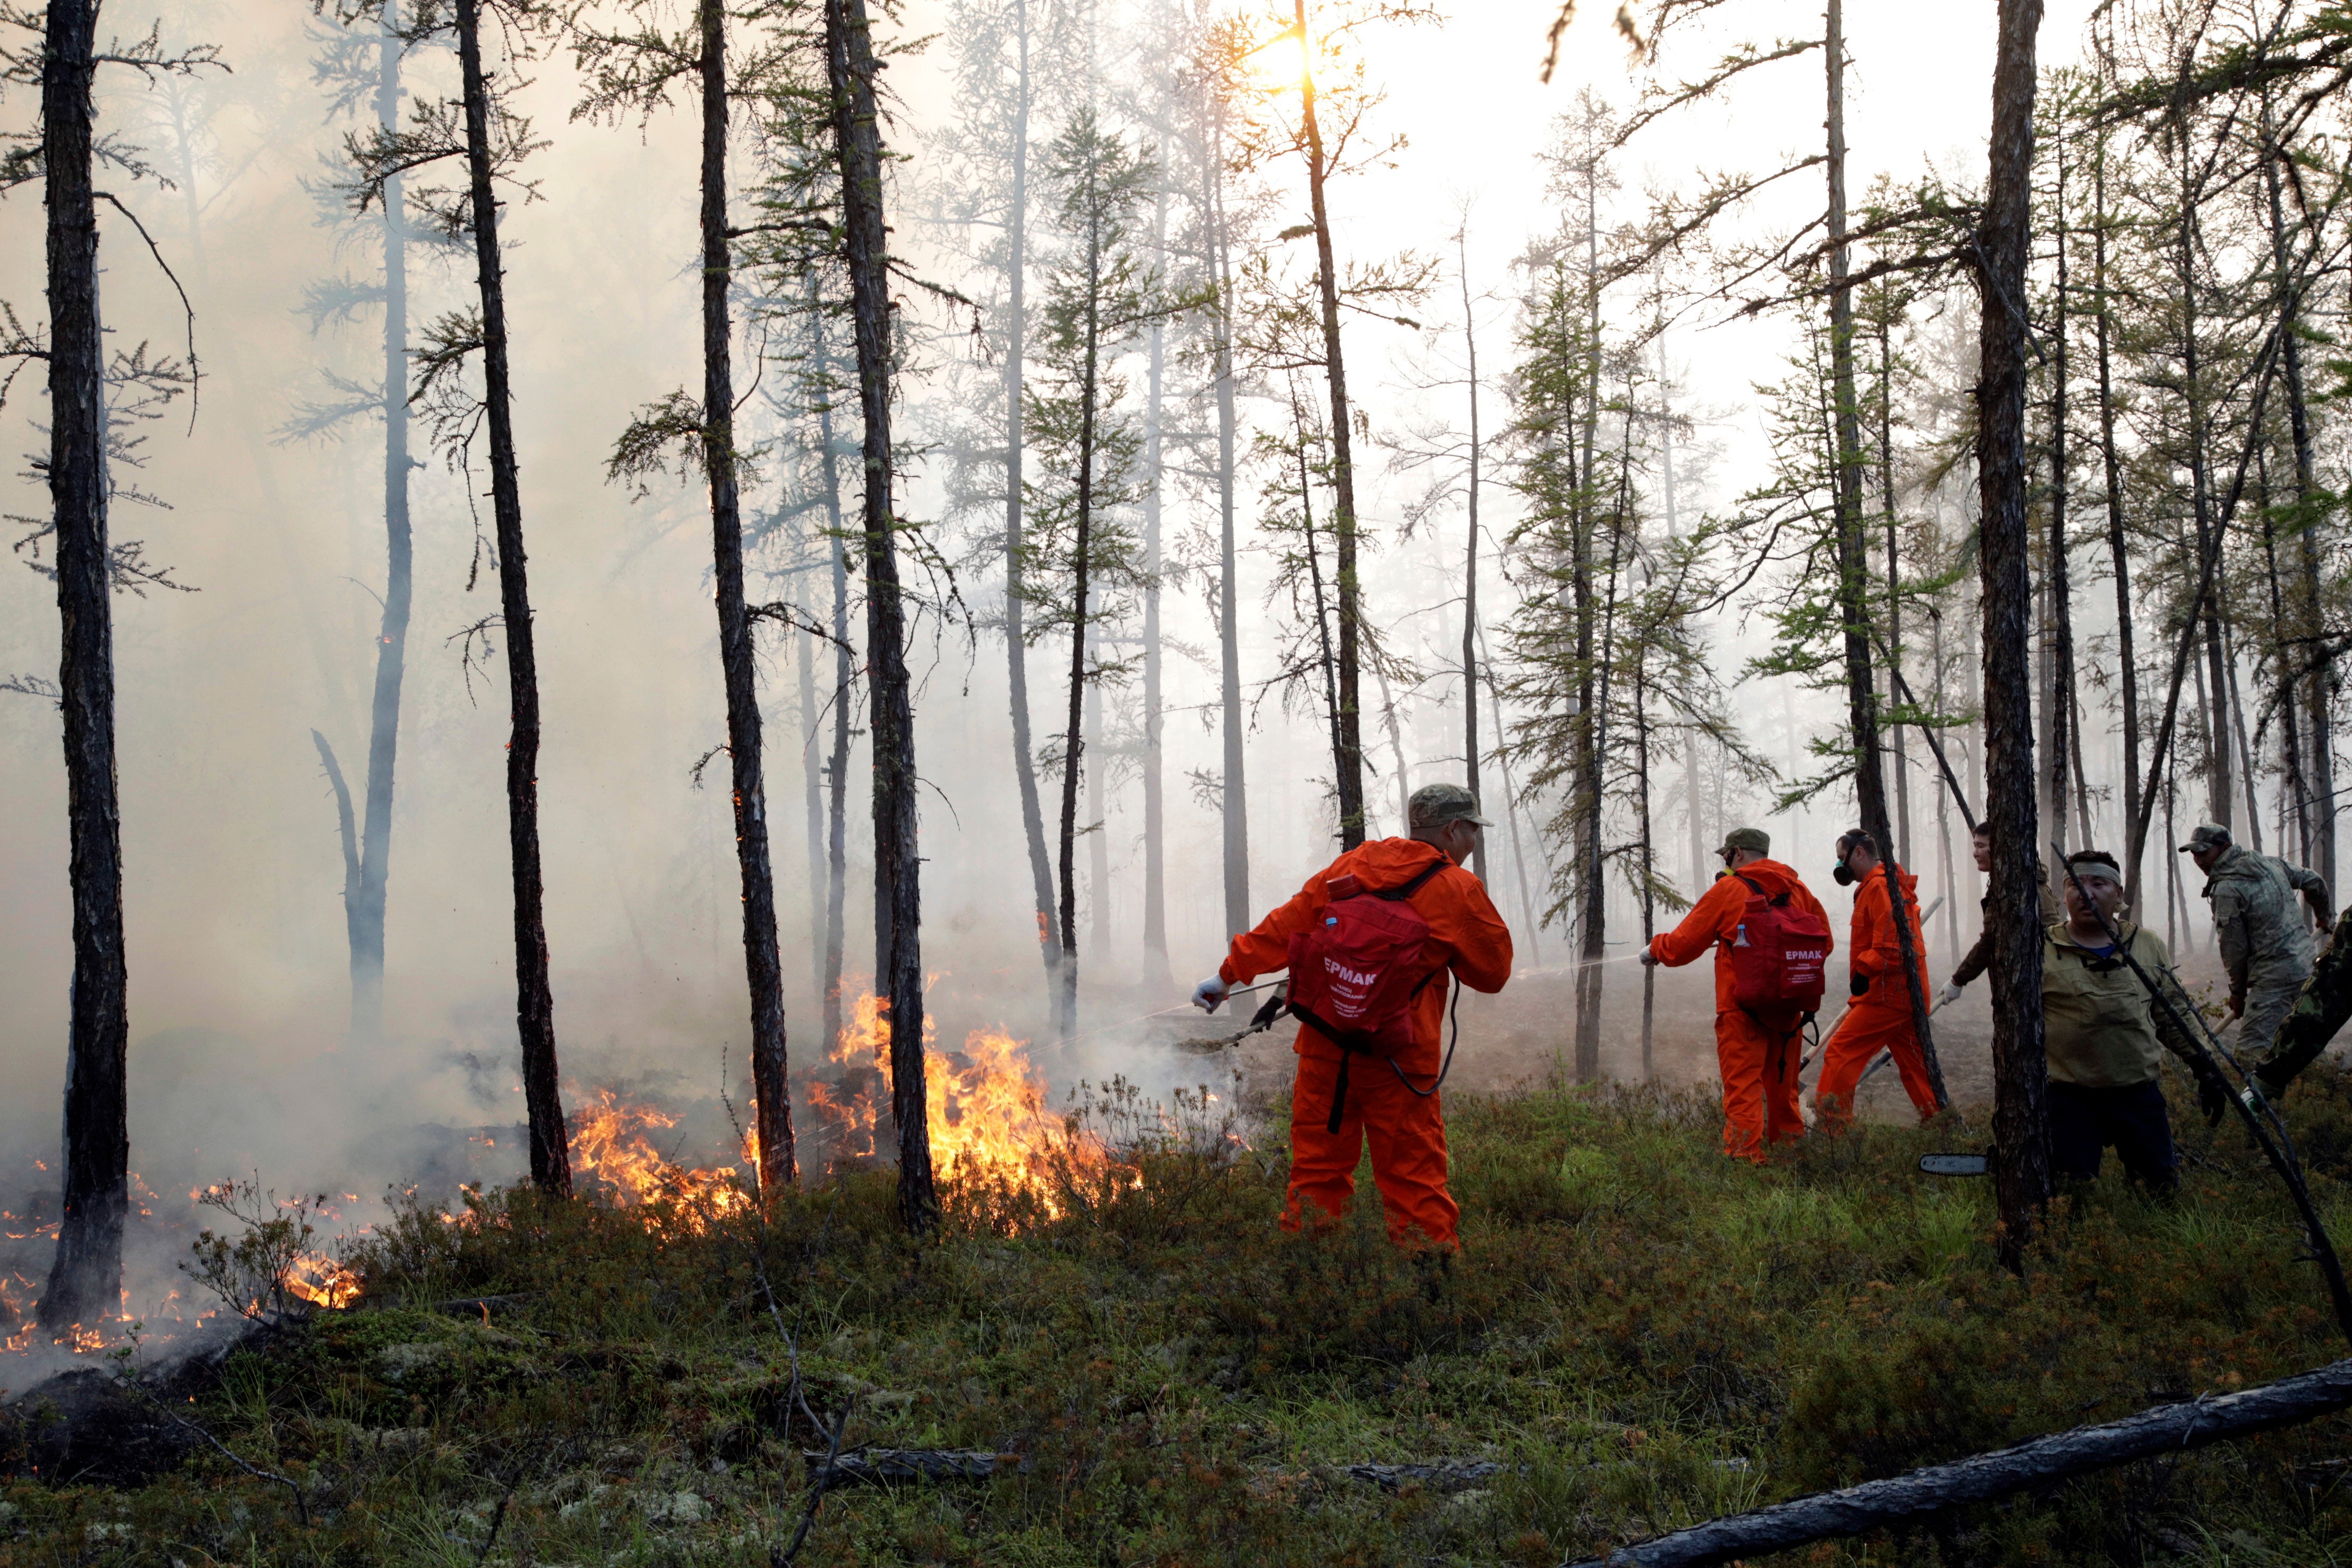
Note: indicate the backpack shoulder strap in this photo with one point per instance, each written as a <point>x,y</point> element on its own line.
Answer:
<point>1398,894</point>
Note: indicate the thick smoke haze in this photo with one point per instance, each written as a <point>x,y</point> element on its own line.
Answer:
<point>239,995</point>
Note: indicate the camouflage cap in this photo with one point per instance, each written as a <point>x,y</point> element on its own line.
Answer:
<point>1754,838</point>
<point>2207,836</point>
<point>1435,806</point>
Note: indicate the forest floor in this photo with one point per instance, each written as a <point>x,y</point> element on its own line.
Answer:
<point>1637,1334</point>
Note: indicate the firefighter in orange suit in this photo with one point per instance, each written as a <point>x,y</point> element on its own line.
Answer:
<point>1396,1110</point>
<point>1758,1064</point>
<point>1878,1019</point>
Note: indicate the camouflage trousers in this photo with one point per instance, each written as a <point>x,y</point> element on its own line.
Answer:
<point>2269,999</point>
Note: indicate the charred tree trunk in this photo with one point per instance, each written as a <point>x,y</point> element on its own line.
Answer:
<point>86,1274</point>
<point>551,1158</point>
<point>2038,1463</point>
<point>1016,644</point>
<point>1234,794</point>
<point>366,913</point>
<point>2021,1177</point>
<point>1347,590</point>
<point>762,963</point>
<point>849,61</point>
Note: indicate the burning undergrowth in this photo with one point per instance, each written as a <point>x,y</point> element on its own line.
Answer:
<point>998,1149</point>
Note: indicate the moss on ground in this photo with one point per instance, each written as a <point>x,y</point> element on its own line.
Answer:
<point>1642,1333</point>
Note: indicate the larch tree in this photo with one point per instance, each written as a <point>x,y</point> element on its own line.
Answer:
<point>1332,138</point>
<point>851,70</point>
<point>637,73</point>
<point>481,129</point>
<point>1102,296</point>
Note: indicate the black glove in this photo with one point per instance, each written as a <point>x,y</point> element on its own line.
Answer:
<point>1856,983</point>
<point>2213,1093</point>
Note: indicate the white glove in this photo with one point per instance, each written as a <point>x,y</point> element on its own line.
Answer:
<point>1211,993</point>
<point>1645,955</point>
<point>1949,994</point>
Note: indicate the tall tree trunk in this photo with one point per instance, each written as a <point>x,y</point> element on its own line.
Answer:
<point>1016,646</point>
<point>367,913</point>
<point>763,962</point>
<point>834,927</point>
<point>2061,692</point>
<point>1593,920</point>
<point>1233,800</point>
<point>1470,562</point>
<point>1894,579</point>
<point>1853,554</point>
<point>1074,746</point>
<point>849,62</point>
<point>1346,590</point>
<point>1648,856</point>
<point>2209,543</point>
<point>813,795</point>
<point>1156,977</point>
<point>2319,781</point>
<point>551,1158</point>
<point>2022,1175</point>
<point>2119,555</point>
<point>86,1274</point>
<point>1314,583</point>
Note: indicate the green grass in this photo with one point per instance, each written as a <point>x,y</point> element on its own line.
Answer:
<point>1646,1333</point>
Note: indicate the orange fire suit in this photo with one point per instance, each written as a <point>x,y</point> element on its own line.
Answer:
<point>1880,1017</point>
<point>1758,1065</point>
<point>1407,1130</point>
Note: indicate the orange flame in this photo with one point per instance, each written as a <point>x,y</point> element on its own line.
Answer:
<point>611,1148</point>
<point>986,1110</point>
<point>324,1282</point>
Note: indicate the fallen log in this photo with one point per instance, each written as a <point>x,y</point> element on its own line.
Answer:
<point>1899,1499</point>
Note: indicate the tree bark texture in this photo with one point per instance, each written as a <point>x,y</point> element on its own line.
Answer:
<point>2022,1178</point>
<point>1345,583</point>
<point>762,963</point>
<point>2040,1462</point>
<point>85,1276</point>
<point>551,1158</point>
<point>849,59</point>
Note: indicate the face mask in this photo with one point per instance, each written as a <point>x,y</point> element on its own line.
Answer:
<point>1844,876</point>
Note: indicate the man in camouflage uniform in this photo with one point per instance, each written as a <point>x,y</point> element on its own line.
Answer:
<point>2321,1008</point>
<point>2266,942</point>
